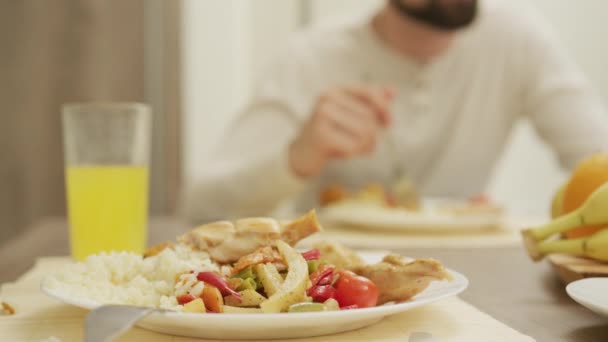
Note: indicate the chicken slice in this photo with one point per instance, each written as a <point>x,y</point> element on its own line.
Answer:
<point>338,255</point>
<point>399,280</point>
<point>208,235</point>
<point>263,255</point>
<point>300,228</point>
<point>250,234</point>
<point>227,242</point>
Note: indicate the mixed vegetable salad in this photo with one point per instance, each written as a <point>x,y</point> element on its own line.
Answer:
<point>276,279</point>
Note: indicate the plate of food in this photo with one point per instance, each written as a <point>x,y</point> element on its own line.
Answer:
<point>245,280</point>
<point>375,207</point>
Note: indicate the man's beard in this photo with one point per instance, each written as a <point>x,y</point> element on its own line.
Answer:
<point>444,15</point>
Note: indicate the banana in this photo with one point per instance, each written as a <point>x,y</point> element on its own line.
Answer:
<point>593,211</point>
<point>557,202</point>
<point>594,246</point>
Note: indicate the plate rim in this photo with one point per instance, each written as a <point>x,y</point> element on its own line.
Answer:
<point>574,293</point>
<point>401,220</point>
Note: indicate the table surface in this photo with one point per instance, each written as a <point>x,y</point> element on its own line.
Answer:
<point>504,282</point>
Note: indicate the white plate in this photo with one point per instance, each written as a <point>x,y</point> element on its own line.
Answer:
<point>277,326</point>
<point>369,216</point>
<point>591,293</point>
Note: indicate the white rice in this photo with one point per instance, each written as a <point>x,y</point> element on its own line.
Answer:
<point>127,278</point>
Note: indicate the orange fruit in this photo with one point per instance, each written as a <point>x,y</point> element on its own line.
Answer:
<point>589,175</point>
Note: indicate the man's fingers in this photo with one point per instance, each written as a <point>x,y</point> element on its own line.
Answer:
<point>337,142</point>
<point>359,113</point>
<point>380,99</point>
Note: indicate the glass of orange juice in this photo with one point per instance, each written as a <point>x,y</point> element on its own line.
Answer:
<point>106,148</point>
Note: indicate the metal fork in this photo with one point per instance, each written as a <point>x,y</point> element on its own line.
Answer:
<point>110,321</point>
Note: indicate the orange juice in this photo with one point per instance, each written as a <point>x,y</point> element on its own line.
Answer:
<point>107,208</point>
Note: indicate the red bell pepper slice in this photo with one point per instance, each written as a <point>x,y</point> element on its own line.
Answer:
<point>218,281</point>
<point>184,299</point>
<point>321,273</point>
<point>313,254</point>
<point>321,293</point>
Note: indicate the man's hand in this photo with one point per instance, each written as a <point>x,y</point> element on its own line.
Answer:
<point>345,123</point>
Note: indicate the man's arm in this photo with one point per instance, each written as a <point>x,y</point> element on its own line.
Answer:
<point>564,108</point>
<point>249,173</point>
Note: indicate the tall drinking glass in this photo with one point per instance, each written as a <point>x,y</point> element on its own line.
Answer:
<point>106,147</point>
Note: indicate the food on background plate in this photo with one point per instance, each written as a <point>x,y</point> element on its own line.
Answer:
<point>247,266</point>
<point>6,310</point>
<point>373,194</point>
<point>404,196</point>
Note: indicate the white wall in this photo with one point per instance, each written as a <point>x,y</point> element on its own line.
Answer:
<point>528,190</point>
<point>225,42</point>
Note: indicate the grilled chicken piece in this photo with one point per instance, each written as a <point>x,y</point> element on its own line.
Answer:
<point>266,254</point>
<point>399,280</point>
<point>6,310</point>
<point>338,255</point>
<point>251,234</point>
<point>300,228</point>
<point>226,242</point>
<point>208,235</point>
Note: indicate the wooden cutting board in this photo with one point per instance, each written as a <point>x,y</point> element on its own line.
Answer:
<point>571,268</point>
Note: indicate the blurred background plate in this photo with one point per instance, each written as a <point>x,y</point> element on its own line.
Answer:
<point>364,215</point>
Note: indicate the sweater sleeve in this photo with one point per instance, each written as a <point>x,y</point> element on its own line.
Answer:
<point>561,103</point>
<point>249,173</point>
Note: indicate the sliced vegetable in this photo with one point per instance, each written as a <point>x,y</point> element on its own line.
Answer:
<point>248,298</point>
<point>332,304</point>
<point>293,290</point>
<point>352,289</point>
<point>270,278</point>
<point>6,310</point>
<point>183,299</point>
<point>246,273</point>
<point>258,282</point>
<point>313,254</point>
<point>248,284</point>
<point>322,272</point>
<point>328,279</point>
<point>212,297</point>
<point>196,305</point>
<point>321,293</point>
<point>234,283</point>
<point>262,255</point>
<point>217,281</point>
<point>307,307</point>
<point>312,265</point>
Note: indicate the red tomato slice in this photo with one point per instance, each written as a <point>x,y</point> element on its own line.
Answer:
<point>352,289</point>
<point>184,299</point>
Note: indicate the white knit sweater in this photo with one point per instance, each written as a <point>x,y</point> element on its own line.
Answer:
<point>452,116</point>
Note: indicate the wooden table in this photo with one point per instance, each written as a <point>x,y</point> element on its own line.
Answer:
<point>504,282</point>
